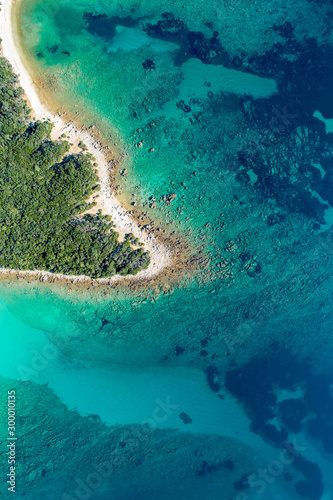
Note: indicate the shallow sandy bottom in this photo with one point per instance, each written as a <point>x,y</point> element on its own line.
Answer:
<point>120,395</point>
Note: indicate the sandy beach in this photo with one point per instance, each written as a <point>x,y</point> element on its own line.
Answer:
<point>123,223</point>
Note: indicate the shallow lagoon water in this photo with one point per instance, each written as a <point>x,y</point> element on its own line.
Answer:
<point>264,276</point>
<point>124,395</point>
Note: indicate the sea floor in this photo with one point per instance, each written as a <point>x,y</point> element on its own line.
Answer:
<point>223,140</point>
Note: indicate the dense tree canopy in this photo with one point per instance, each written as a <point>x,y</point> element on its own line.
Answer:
<point>42,194</point>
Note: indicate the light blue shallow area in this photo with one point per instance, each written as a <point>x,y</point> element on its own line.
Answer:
<point>120,396</point>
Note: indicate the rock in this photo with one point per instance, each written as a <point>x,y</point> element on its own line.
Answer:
<point>179,350</point>
<point>184,107</point>
<point>103,320</point>
<point>53,49</point>
<point>185,418</point>
<point>148,64</point>
<point>170,198</point>
<point>169,25</point>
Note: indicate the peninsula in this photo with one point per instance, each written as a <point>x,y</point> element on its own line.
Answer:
<point>42,207</point>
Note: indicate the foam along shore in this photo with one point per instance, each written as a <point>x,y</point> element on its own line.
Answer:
<point>160,256</point>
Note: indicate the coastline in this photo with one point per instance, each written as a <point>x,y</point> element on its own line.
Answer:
<point>160,255</point>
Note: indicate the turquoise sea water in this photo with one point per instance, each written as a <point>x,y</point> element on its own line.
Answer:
<point>242,343</point>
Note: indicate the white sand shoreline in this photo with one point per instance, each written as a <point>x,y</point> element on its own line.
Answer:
<point>123,223</point>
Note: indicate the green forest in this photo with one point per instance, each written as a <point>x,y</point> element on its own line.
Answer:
<point>42,196</point>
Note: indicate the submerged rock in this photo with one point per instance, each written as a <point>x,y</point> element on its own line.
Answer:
<point>185,418</point>
<point>179,350</point>
<point>89,16</point>
<point>53,49</point>
<point>149,64</point>
<point>184,107</point>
